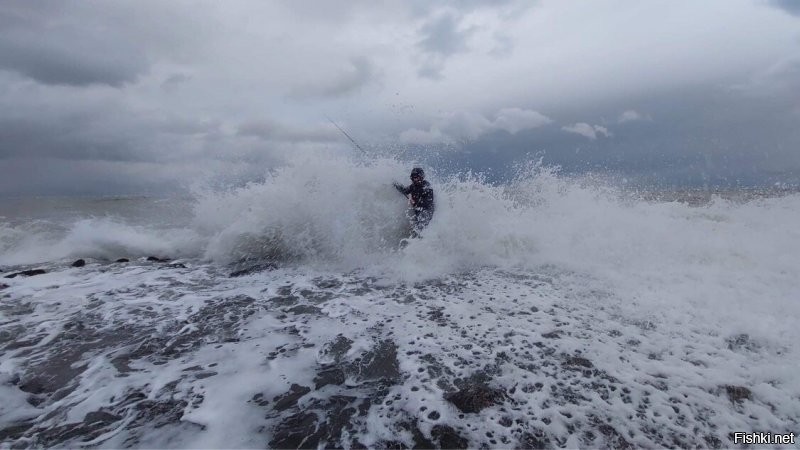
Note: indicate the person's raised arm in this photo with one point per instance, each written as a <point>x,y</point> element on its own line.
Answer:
<point>402,189</point>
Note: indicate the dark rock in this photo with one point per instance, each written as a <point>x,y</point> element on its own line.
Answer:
<point>57,375</point>
<point>298,431</point>
<point>287,300</point>
<point>27,273</point>
<point>436,370</point>
<point>14,431</point>
<point>613,437</point>
<point>741,342</point>
<point>160,413</point>
<point>156,259</point>
<point>434,415</point>
<point>289,399</point>
<point>218,321</point>
<point>537,439</point>
<point>133,397</point>
<point>15,309</point>
<point>327,284</point>
<point>253,269</point>
<point>35,386</point>
<point>259,399</point>
<point>35,400</point>
<point>121,363</point>
<point>316,296</point>
<point>79,263</point>
<point>331,419</point>
<point>419,439</point>
<point>325,377</point>
<point>380,363</point>
<point>738,393</point>
<point>123,260</point>
<point>712,441</point>
<point>3,286</point>
<point>448,437</point>
<point>49,436</point>
<point>96,423</point>
<point>304,309</point>
<point>285,290</point>
<point>177,266</point>
<point>577,362</point>
<point>475,396</point>
<point>100,416</point>
<point>336,348</point>
<point>437,315</point>
<point>22,343</point>
<point>553,334</point>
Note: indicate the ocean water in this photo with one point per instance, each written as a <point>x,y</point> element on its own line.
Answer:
<point>550,311</point>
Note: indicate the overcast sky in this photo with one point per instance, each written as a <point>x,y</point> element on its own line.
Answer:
<point>149,96</point>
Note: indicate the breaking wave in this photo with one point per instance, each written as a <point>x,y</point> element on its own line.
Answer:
<point>340,214</point>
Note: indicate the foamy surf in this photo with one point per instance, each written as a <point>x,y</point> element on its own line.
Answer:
<point>546,312</point>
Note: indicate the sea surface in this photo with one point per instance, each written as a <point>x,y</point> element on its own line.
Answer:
<point>550,311</point>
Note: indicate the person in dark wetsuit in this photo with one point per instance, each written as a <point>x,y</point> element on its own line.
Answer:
<point>420,200</point>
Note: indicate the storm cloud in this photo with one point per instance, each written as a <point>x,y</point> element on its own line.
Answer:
<point>462,127</point>
<point>790,6</point>
<point>271,130</point>
<point>144,95</point>
<point>357,74</point>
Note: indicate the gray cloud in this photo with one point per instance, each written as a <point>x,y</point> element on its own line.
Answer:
<point>360,73</point>
<point>431,69</point>
<point>790,6</point>
<point>75,139</point>
<point>463,127</point>
<point>71,177</point>
<point>51,51</point>
<point>503,45</point>
<point>447,31</point>
<point>124,87</point>
<point>442,36</point>
<point>95,128</point>
<point>80,63</point>
<point>423,8</point>
<point>631,115</point>
<point>175,80</point>
<point>274,131</point>
<point>590,131</point>
<point>781,81</point>
<point>706,136</point>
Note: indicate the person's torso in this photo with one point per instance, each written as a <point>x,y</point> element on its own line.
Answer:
<point>422,195</point>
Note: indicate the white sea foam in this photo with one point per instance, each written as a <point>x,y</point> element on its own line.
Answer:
<point>587,305</point>
<point>569,355</point>
<point>333,212</point>
<point>99,238</point>
<point>336,214</point>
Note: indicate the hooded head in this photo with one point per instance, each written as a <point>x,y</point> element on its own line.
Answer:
<point>417,175</point>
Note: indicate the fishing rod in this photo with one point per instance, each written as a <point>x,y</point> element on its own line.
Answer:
<point>346,135</point>
<point>359,147</point>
